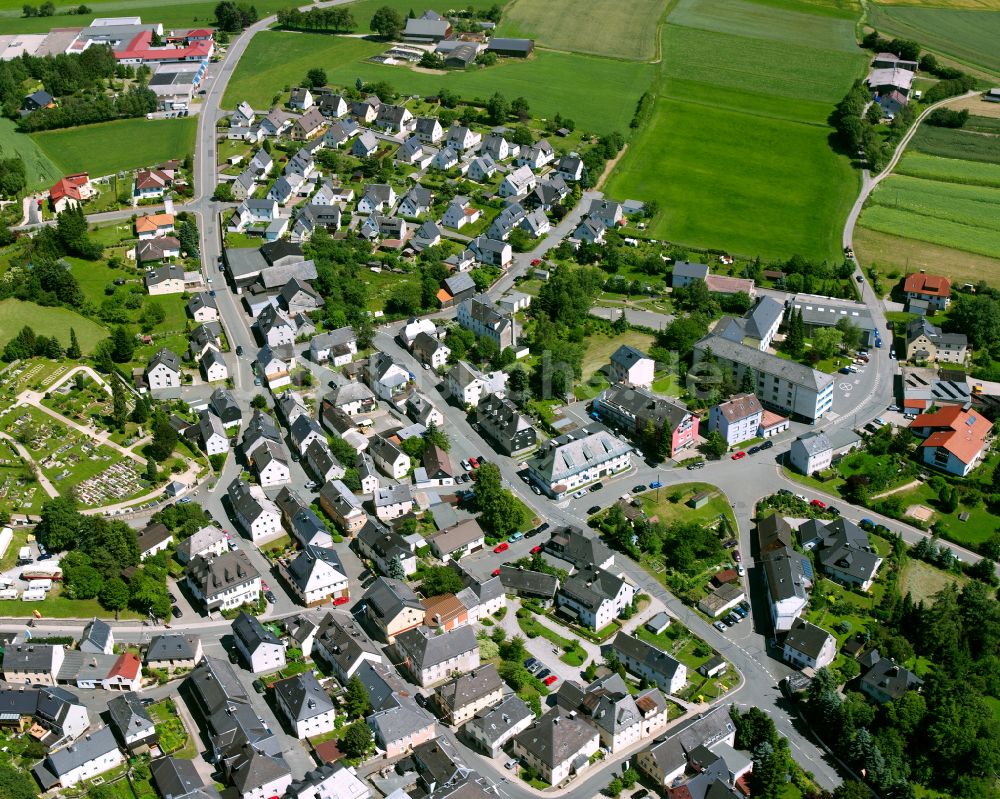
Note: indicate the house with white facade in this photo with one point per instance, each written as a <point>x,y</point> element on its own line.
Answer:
<point>737,419</point>
<point>223,582</point>
<point>257,515</point>
<point>307,706</point>
<point>261,649</point>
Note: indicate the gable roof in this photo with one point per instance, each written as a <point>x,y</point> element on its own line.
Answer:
<point>922,283</point>
<point>643,652</point>
<point>303,696</point>
<point>555,737</point>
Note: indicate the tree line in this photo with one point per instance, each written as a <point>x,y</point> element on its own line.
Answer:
<point>61,75</point>
<point>73,111</point>
<point>336,20</point>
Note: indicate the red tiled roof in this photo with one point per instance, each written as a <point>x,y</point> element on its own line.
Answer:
<point>127,667</point>
<point>69,186</point>
<point>960,432</point>
<point>141,47</point>
<point>922,283</point>
<point>916,403</point>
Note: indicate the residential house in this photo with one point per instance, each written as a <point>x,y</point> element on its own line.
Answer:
<point>493,727</point>
<point>558,745</point>
<point>97,635</point>
<point>207,541</point>
<point>309,125</point>
<point>303,431</point>
<point>167,279</point>
<point>223,582</point>
<point>398,723</point>
<point>811,452</point>
<point>884,680</point>
<point>481,316</point>
<point>412,152</point>
<point>536,156</point>
<point>260,647</point>
<point>954,440</point>
<point>388,457</point>
<point>457,541</point>
<point>647,661</point>
<point>468,385</point>
<point>520,182</point>
<point>609,212</point>
<point>276,370</point>
<point>926,342</point>
<point>339,346</point>
<point>460,213</point>
<point>226,407</point>
<point>685,273</point>
<point>366,109</point>
<point>131,723</point>
<point>935,290</point>
<point>634,409</point>
<point>462,138</point>
<point>846,555</point>
<point>392,607</point>
<point>594,597</point>
<point>322,463</point>
<point>631,367</point>
<point>329,781</point>
<point>427,235</point>
<point>737,419</point>
<point>353,399</point>
<point>496,146</point>
<point>386,377</point>
<point>429,130</point>
<point>392,502</point>
<point>298,297</point>
<point>788,576</point>
<point>550,192</point>
<point>365,146</point>
<point>758,328</point>
<point>482,168</point>
<point>570,461</point>
<point>151,226</point>
<point>333,105</point>
<point>257,515</point>
<point>570,167</point>
<point>395,119</point>
<point>203,308</point>
<point>92,755</point>
<point>163,370</point>
<point>151,183</point>
<point>301,99</point>
<point>504,426</point>
<point>341,642</point>
<point>429,350</point>
<point>621,719</point>
<point>807,646</point>
<point>578,549</point>
<point>416,202</point>
<point>305,704</point>
<point>492,252</point>
<point>274,327</point>
<point>530,584</point>
<point>445,158</point>
<point>151,539</point>
<point>590,231</point>
<point>269,463</point>
<point>668,758</point>
<point>431,657</point>
<point>469,694</point>
<point>171,652</point>
<point>70,192</point>
<point>341,505</point>
<point>165,248</point>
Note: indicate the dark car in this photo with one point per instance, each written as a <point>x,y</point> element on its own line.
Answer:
<point>239,350</point>
<point>833,510</point>
<point>753,450</point>
<point>171,597</point>
<point>696,465</point>
<point>597,486</point>
<point>421,700</point>
<point>543,674</point>
<point>594,509</point>
<point>175,612</point>
<point>767,445</point>
<point>45,556</point>
<point>233,656</point>
<point>639,488</point>
<point>269,596</point>
<point>531,533</point>
<point>542,527</point>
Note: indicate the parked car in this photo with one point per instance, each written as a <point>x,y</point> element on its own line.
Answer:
<point>718,625</point>
<point>175,611</point>
<point>739,611</point>
<point>536,489</point>
<point>515,537</point>
<point>581,493</point>
<point>530,662</point>
<point>269,596</point>
<point>597,486</point>
<point>740,569</point>
<point>753,450</point>
<point>767,445</point>
<point>844,370</point>
<point>543,674</point>
<point>550,679</point>
<point>818,503</point>
<point>737,556</point>
<point>239,349</point>
<point>834,510</point>
<point>594,509</point>
<point>341,600</point>
<point>466,465</point>
<point>503,546</point>
<point>536,549</point>
<point>170,596</point>
<point>692,466</point>
<point>738,456</point>
<point>639,489</point>
<point>728,621</point>
<point>496,572</point>
<point>542,527</point>
<point>473,463</point>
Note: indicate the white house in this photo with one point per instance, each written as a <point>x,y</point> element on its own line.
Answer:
<point>809,646</point>
<point>213,434</point>
<point>308,709</point>
<point>468,385</point>
<point>223,582</point>
<point>317,576</point>
<point>213,366</point>
<point>632,367</point>
<point>388,457</point>
<point>595,596</point>
<point>163,370</point>
<point>460,213</point>
<point>257,514</point>
<point>94,754</point>
<point>738,419</point>
<point>811,452</point>
<point>645,660</point>
<point>521,181</point>
<point>261,648</point>
<point>557,745</point>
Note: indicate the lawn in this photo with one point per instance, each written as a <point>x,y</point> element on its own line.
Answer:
<point>59,607</point>
<point>887,251</point>
<point>600,348</point>
<point>172,13</point>
<point>174,737</point>
<point>41,172</point>
<point>736,151</point>
<point>599,94</point>
<point>967,36</point>
<point>967,145</point>
<point>615,28</point>
<point>979,527</point>
<point>947,214</point>
<point>113,146</point>
<point>953,170</point>
<point>921,580</point>
<point>15,314</point>
<point>658,503</point>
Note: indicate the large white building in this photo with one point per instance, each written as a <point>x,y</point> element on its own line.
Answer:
<point>780,384</point>
<point>577,459</point>
<point>737,419</point>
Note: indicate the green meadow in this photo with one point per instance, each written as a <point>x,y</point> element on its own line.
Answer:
<point>41,172</point>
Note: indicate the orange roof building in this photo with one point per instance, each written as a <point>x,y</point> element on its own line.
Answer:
<point>154,225</point>
<point>70,190</point>
<point>954,439</point>
<point>935,290</point>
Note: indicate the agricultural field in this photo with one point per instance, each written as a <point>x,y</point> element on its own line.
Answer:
<point>114,146</point>
<point>41,172</point>
<point>968,36</point>
<point>599,94</point>
<point>736,152</point>
<point>15,314</point>
<point>939,211</point>
<point>614,28</point>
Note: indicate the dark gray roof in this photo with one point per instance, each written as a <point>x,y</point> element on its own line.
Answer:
<point>888,677</point>
<point>90,747</point>
<point>784,570</point>
<point>167,358</point>
<point>344,641</point>
<point>592,587</point>
<point>470,687</point>
<point>495,722</point>
<point>532,583</point>
<point>846,548</point>
<point>428,649</point>
<point>502,43</point>
<point>98,632</point>
<point>807,638</point>
<point>386,543</point>
<point>814,442</point>
<point>225,405</point>
<point>30,657</point>
<point>220,572</point>
<point>303,696</point>
<point>251,633</point>
<point>555,737</point>
<point>387,597</point>
<point>214,684</point>
<point>129,716</point>
<point>173,646</point>
<point>765,362</point>
<point>690,269</point>
<point>582,550</point>
<point>177,777</point>
<point>652,657</point>
<point>306,561</point>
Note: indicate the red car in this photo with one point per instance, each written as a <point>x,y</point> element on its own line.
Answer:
<point>503,546</point>
<point>341,600</point>
<point>473,463</point>
<point>535,550</point>
<point>535,262</point>
<point>496,572</point>
<point>738,456</point>
<point>737,556</point>
<point>550,679</point>
<point>264,586</point>
<point>818,503</point>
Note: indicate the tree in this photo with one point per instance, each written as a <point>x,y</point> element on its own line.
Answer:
<point>233,18</point>
<point>715,445</point>
<point>114,594</point>
<point>394,569</point>
<point>517,383</point>
<point>614,788</point>
<point>795,336</point>
<point>16,784</point>
<point>851,333</point>
<point>259,402</point>
<point>140,413</point>
<point>497,109</point>
<point>853,789</point>
<point>119,413</point>
<point>152,474</point>
<point>437,437</point>
<point>74,345</point>
<point>357,702</point>
<point>59,528</point>
<point>122,345</point>
<point>387,23</point>
<point>440,580</point>
<point>825,342</point>
<point>223,193</point>
<point>519,108</point>
<point>164,438</point>
<point>316,78</point>
<point>501,513</point>
<point>356,740</point>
